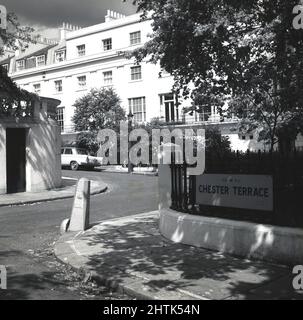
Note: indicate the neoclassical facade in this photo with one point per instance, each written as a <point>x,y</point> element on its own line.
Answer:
<point>94,57</point>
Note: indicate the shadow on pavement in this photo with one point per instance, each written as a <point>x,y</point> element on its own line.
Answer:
<point>123,250</point>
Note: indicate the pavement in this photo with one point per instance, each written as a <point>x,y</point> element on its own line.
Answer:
<point>67,191</point>
<point>140,171</point>
<point>129,255</point>
<point>28,234</point>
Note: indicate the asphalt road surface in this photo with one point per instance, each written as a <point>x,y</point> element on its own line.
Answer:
<point>28,233</point>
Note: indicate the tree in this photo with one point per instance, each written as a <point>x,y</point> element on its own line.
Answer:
<point>99,109</point>
<point>87,140</point>
<point>241,56</point>
<point>217,145</point>
<point>15,34</point>
<point>14,101</point>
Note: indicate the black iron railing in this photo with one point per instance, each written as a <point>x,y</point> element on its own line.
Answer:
<point>287,173</point>
<point>183,189</point>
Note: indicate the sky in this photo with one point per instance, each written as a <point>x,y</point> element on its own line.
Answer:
<point>45,15</point>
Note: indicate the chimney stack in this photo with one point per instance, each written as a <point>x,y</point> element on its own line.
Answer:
<point>67,27</point>
<point>113,15</point>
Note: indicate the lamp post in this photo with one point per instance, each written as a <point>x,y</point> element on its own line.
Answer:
<point>130,124</point>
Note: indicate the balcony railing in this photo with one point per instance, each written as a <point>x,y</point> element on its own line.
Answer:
<point>68,129</point>
<point>198,120</point>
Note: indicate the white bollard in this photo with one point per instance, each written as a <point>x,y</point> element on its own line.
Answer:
<point>79,220</point>
<point>64,226</point>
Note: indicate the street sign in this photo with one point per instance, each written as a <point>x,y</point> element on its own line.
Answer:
<point>235,191</point>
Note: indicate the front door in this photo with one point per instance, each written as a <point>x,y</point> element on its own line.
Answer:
<point>15,160</point>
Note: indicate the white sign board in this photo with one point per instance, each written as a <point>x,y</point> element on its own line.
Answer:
<point>235,191</point>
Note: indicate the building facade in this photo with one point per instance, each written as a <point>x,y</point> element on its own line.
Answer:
<point>94,57</point>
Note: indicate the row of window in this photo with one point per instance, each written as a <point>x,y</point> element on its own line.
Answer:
<point>136,105</point>
<point>107,44</point>
<point>136,74</point>
<point>39,61</point>
<point>60,55</point>
<point>31,62</point>
<point>59,86</point>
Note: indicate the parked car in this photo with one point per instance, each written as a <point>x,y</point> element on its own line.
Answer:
<point>76,157</point>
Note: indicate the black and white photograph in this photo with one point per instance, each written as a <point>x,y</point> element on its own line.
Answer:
<point>151,153</point>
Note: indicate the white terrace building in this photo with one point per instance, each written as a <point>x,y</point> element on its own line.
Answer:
<point>93,57</point>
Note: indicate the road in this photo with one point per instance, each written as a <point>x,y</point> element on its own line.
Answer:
<point>28,233</point>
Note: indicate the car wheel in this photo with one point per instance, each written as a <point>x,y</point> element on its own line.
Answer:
<point>74,165</point>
